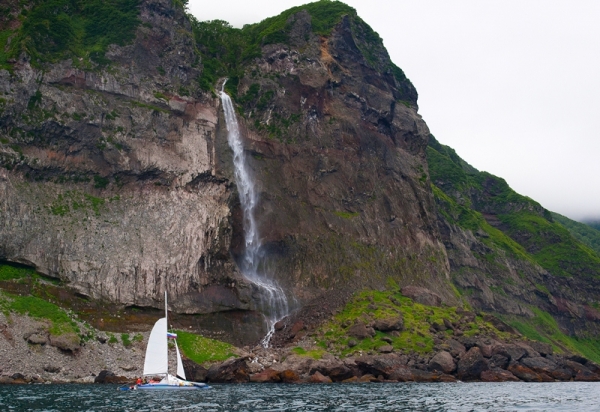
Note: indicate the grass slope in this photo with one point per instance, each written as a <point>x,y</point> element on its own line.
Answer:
<point>201,350</point>
<point>522,226</point>
<point>543,328</point>
<point>585,233</point>
<point>368,306</point>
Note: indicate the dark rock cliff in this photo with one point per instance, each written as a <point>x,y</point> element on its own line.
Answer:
<point>116,176</point>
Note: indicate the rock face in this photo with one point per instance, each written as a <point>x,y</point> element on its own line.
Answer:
<point>117,192</point>
<point>119,181</point>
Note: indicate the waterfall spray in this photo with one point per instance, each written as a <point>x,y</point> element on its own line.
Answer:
<point>273,301</point>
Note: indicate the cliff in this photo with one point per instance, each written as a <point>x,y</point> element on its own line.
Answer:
<point>116,177</point>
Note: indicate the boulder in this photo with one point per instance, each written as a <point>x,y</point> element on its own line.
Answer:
<point>548,367</point>
<point>37,339</point>
<point>544,349</point>
<point>230,371</point>
<point>389,324</point>
<point>52,368</point>
<point>442,362</point>
<point>497,323</point>
<point>485,348</point>
<point>367,378</point>
<point>267,375</point>
<point>513,352</point>
<point>385,349</point>
<point>528,375</point>
<point>352,379</point>
<point>529,351</point>
<point>194,372</point>
<point>296,327</point>
<point>361,331</point>
<point>587,376</point>
<point>438,327</point>
<point>422,295</point>
<point>109,377</point>
<point>456,348</point>
<point>498,375</point>
<point>68,342</point>
<point>383,365</point>
<point>574,366</point>
<point>318,377</point>
<point>471,365</point>
<point>406,374</point>
<point>592,366</point>
<point>338,372</point>
<point>498,362</point>
<point>289,376</point>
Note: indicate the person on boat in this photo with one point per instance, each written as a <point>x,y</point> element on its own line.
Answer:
<point>139,381</point>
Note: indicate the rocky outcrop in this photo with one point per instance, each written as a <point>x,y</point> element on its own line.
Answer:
<point>109,377</point>
<point>118,179</point>
<point>231,371</point>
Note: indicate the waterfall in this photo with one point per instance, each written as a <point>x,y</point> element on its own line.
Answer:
<point>272,299</point>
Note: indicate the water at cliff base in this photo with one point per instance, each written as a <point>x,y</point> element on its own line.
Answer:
<point>459,397</point>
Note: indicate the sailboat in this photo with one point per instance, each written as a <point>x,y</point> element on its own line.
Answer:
<point>156,363</point>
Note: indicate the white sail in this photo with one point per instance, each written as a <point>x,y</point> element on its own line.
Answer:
<point>157,352</point>
<point>180,371</point>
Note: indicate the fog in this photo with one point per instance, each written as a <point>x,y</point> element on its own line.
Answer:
<point>513,86</point>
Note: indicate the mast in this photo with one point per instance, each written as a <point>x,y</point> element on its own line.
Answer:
<point>167,322</point>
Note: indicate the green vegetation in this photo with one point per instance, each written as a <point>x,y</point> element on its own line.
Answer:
<point>521,226</point>
<point>57,29</point>
<point>200,349</point>
<point>552,245</point>
<point>74,200</point>
<point>585,233</point>
<point>315,353</point>
<point>224,49</point>
<point>368,306</point>
<point>14,271</point>
<point>60,322</point>
<point>595,224</point>
<point>325,14</point>
<point>543,328</point>
<point>125,339</point>
<point>345,215</point>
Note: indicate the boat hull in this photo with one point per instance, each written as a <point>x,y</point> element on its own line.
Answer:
<point>159,386</point>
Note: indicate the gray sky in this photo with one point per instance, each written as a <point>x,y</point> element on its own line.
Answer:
<point>512,85</point>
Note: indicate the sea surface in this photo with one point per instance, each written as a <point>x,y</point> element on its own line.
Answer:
<point>568,396</point>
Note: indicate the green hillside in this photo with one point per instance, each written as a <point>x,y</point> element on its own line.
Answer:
<point>54,30</point>
<point>595,224</point>
<point>479,200</point>
<point>584,233</point>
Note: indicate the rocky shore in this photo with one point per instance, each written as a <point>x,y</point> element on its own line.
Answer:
<point>464,359</point>
<point>377,337</point>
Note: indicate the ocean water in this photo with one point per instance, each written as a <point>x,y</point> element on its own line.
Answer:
<point>568,396</point>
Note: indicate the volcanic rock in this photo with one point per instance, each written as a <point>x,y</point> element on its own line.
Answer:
<point>422,295</point>
<point>442,362</point>
<point>498,375</point>
<point>471,365</point>
<point>389,324</point>
<point>230,371</point>
<point>318,377</point>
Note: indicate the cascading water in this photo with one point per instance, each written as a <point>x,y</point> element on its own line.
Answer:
<point>273,301</point>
